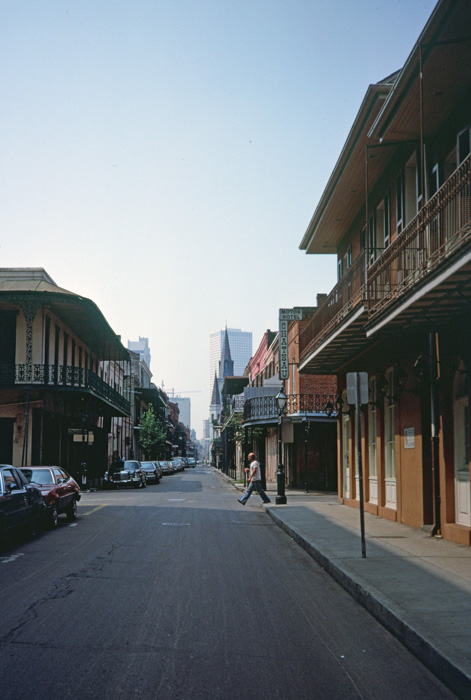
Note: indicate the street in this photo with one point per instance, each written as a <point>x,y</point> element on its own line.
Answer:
<point>177,591</point>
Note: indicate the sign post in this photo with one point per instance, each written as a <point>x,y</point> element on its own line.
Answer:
<point>357,394</point>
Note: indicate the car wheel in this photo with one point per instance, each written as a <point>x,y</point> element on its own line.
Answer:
<point>137,484</point>
<point>72,510</point>
<point>53,517</point>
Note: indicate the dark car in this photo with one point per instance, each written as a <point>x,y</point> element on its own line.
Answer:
<point>177,464</point>
<point>126,473</point>
<point>153,472</point>
<point>159,469</point>
<point>60,491</point>
<point>166,467</point>
<point>21,503</point>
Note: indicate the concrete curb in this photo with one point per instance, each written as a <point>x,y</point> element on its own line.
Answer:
<point>389,615</point>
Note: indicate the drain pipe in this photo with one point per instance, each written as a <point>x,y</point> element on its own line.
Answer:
<point>435,429</point>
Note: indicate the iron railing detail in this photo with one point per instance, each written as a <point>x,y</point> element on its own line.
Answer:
<point>441,228</point>
<point>346,295</point>
<point>437,233</point>
<point>311,403</point>
<point>266,407</point>
<point>52,376</point>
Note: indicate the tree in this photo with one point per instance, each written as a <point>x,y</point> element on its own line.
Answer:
<point>152,434</point>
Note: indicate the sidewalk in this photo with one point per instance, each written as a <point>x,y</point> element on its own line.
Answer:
<point>417,586</point>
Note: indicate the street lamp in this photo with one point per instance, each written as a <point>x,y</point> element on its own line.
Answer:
<point>280,474</point>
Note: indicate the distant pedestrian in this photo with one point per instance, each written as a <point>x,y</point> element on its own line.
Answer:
<point>255,482</point>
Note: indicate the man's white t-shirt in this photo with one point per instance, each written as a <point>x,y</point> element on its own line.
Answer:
<point>255,471</point>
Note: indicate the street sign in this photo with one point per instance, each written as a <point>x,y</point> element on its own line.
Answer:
<point>285,316</point>
<point>352,387</point>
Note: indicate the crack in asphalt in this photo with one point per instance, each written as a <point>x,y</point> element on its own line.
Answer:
<point>60,589</point>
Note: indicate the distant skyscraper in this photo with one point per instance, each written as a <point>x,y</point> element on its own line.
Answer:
<point>240,343</point>
<point>184,404</point>
<point>141,346</point>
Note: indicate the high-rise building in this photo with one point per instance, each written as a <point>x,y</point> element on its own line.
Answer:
<point>240,343</point>
<point>184,404</point>
<point>141,346</point>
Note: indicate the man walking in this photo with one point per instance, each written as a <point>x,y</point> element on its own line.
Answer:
<point>255,482</point>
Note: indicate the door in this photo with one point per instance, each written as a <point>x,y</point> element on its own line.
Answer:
<point>15,504</point>
<point>390,486</point>
<point>6,440</point>
<point>372,439</point>
<point>345,454</point>
<point>461,440</point>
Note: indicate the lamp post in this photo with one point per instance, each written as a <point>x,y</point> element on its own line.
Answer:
<point>280,474</point>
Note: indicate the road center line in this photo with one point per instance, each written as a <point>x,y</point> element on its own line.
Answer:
<point>89,512</point>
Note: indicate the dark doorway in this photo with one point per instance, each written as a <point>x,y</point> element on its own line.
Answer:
<point>6,440</point>
<point>7,337</point>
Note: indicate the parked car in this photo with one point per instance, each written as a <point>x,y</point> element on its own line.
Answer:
<point>153,472</point>
<point>21,503</point>
<point>60,491</point>
<point>166,467</point>
<point>128,473</point>
<point>159,469</point>
<point>177,464</point>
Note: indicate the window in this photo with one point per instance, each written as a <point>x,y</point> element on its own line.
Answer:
<point>387,219</point>
<point>400,202</point>
<point>372,237</point>
<point>418,174</point>
<point>434,180</point>
<point>349,257</point>
<point>463,144</point>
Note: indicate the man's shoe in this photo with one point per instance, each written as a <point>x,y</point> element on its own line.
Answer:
<point>241,502</point>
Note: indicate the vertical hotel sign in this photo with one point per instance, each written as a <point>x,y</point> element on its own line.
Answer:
<point>286,315</point>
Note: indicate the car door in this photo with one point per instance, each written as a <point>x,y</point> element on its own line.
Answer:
<point>16,504</point>
<point>62,488</point>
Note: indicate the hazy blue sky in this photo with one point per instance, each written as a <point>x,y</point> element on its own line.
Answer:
<point>164,157</point>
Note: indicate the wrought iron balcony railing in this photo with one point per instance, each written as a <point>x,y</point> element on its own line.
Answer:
<point>436,234</point>
<point>266,407</point>
<point>55,376</point>
<point>347,293</point>
<point>440,229</point>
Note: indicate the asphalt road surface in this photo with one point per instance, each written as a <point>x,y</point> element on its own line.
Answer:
<point>177,591</point>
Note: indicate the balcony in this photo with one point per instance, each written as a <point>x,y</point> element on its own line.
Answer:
<point>433,248</point>
<point>431,241</point>
<point>60,377</point>
<point>264,409</point>
<point>344,308</point>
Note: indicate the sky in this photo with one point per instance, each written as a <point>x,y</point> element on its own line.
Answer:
<point>164,157</point>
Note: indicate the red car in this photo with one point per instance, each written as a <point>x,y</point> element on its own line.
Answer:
<point>61,493</point>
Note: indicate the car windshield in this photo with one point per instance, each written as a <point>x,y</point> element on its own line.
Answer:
<point>130,466</point>
<point>39,476</point>
<point>147,465</point>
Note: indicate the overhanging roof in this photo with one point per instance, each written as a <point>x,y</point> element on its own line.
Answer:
<point>81,315</point>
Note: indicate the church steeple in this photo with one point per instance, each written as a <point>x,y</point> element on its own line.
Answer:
<point>226,364</point>
<point>216,396</point>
